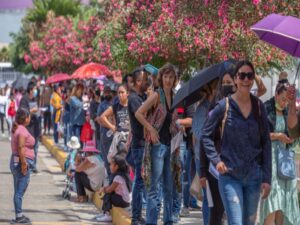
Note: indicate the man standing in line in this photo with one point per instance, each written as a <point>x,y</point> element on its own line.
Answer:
<point>135,100</point>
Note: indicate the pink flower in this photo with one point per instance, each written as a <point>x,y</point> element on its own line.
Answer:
<point>256,2</point>
<point>27,58</point>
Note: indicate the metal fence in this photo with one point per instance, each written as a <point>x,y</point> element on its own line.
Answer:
<point>9,76</point>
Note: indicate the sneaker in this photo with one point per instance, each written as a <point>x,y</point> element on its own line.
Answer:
<point>185,212</point>
<point>21,220</point>
<point>136,223</point>
<point>105,218</point>
<point>99,216</point>
<point>34,170</point>
<point>175,219</point>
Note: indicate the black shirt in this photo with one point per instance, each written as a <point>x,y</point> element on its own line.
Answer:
<point>137,129</point>
<point>34,125</point>
<point>164,133</point>
<point>189,113</point>
<point>121,117</point>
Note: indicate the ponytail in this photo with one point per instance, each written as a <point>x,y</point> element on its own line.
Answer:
<point>14,127</point>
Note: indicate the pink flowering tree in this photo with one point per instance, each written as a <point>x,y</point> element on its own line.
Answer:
<point>190,34</point>
<point>64,45</point>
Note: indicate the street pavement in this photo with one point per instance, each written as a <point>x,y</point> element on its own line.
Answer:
<point>43,202</point>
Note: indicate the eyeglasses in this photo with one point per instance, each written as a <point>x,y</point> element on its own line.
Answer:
<point>243,75</point>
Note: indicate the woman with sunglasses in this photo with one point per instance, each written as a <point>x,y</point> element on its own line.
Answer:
<point>244,162</point>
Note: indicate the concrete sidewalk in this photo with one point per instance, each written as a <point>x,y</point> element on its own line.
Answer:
<point>120,216</point>
<point>42,202</point>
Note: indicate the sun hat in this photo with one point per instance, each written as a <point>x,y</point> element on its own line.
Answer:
<point>73,143</point>
<point>90,143</point>
<point>91,149</point>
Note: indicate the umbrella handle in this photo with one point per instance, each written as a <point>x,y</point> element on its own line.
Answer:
<point>296,76</point>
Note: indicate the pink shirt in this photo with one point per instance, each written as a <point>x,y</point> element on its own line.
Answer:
<point>122,188</point>
<point>29,142</point>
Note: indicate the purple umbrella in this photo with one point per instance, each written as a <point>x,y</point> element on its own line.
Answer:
<point>280,31</point>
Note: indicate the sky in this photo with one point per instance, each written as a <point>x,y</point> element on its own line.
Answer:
<point>11,14</point>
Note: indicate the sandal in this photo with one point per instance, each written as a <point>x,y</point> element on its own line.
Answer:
<point>81,199</point>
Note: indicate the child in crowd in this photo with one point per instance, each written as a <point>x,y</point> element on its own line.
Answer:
<point>74,146</point>
<point>86,131</point>
<point>11,110</point>
<point>118,192</point>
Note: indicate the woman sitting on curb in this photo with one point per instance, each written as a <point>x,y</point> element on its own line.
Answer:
<point>89,172</point>
<point>118,192</point>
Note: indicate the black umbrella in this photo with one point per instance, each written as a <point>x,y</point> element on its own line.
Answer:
<point>21,82</point>
<point>189,92</point>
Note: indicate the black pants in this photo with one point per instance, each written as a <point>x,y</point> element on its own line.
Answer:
<point>82,181</point>
<point>47,120</point>
<point>216,213</point>
<point>2,121</point>
<point>113,199</point>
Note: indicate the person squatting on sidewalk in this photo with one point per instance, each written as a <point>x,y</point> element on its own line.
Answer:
<point>118,191</point>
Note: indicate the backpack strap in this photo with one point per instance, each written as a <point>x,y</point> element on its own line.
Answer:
<point>225,116</point>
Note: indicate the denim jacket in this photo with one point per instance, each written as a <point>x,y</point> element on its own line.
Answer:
<point>243,145</point>
<point>77,116</point>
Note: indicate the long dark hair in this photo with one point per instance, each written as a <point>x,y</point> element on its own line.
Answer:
<point>123,170</point>
<point>241,64</point>
<point>21,116</point>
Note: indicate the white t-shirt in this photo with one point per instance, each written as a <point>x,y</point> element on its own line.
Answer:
<point>3,100</point>
<point>96,173</point>
<point>122,188</point>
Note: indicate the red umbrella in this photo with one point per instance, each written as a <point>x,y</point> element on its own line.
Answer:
<point>91,70</point>
<point>57,78</point>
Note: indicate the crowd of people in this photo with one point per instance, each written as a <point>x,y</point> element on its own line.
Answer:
<point>120,139</point>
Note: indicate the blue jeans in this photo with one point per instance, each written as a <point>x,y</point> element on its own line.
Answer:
<point>76,131</point>
<point>240,197</point>
<point>205,208</point>
<point>138,184</point>
<point>186,156</point>
<point>55,126</point>
<point>35,148</point>
<point>67,133</point>
<point>20,183</point>
<point>177,199</point>
<point>105,143</point>
<point>160,168</point>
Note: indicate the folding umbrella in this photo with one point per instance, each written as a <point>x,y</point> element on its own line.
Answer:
<point>282,32</point>
<point>57,78</point>
<point>189,92</point>
<point>21,82</point>
<point>90,70</point>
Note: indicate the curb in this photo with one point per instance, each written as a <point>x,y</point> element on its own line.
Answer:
<point>119,215</point>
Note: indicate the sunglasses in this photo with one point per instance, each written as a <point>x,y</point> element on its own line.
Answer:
<point>243,75</point>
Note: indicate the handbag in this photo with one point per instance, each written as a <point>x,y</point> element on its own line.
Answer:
<point>286,168</point>
<point>196,189</point>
